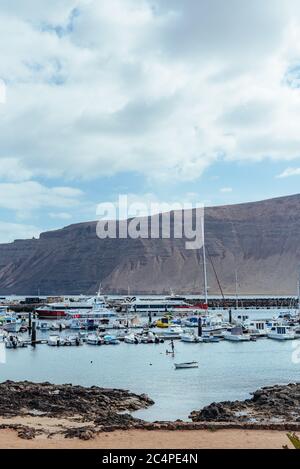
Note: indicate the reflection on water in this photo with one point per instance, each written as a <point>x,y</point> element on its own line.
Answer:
<point>227,371</point>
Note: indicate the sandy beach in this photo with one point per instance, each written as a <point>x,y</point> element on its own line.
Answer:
<point>135,439</point>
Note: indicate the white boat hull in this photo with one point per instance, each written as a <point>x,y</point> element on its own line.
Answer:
<point>237,338</point>
<point>179,366</point>
<point>281,336</point>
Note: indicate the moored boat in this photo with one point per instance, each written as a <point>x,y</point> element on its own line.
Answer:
<point>236,334</point>
<point>132,339</point>
<point>94,339</point>
<point>171,333</point>
<point>55,340</point>
<point>186,365</point>
<point>210,338</point>
<point>189,337</point>
<point>13,342</point>
<point>281,333</point>
<point>43,326</point>
<point>111,340</point>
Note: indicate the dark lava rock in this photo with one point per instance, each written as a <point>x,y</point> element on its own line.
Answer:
<point>95,404</point>
<point>267,404</point>
<point>83,433</point>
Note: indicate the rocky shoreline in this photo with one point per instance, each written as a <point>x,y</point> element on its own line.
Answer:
<point>33,409</point>
<point>83,411</point>
<point>272,405</point>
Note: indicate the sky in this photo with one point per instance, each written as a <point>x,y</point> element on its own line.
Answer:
<point>163,100</point>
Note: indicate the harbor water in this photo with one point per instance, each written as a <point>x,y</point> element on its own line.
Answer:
<point>227,370</point>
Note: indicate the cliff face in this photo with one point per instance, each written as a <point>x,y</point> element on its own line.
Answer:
<point>261,241</point>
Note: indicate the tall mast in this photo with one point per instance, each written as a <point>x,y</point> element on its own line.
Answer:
<point>299,292</point>
<point>204,263</point>
<point>236,290</point>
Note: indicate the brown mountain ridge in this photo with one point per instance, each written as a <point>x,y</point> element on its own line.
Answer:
<point>258,240</point>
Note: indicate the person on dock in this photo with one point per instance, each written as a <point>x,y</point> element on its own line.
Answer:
<point>172,346</point>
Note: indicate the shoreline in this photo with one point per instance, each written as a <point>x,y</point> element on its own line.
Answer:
<point>43,415</point>
<point>162,439</point>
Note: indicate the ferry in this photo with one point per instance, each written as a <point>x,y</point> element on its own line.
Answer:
<point>164,305</point>
<point>60,310</point>
<point>64,309</point>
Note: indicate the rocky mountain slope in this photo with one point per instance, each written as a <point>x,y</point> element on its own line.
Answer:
<point>260,241</point>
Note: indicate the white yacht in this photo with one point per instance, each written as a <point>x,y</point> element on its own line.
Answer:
<point>281,333</point>
<point>256,328</point>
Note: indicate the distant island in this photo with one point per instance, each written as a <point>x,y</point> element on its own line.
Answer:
<point>252,247</point>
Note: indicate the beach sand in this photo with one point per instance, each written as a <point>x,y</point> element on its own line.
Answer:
<point>135,439</point>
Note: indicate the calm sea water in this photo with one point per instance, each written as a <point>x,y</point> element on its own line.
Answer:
<point>226,371</point>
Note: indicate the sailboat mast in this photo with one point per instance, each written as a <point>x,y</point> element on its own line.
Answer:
<point>236,290</point>
<point>204,263</point>
<point>299,293</point>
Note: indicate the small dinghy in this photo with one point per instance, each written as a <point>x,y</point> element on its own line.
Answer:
<point>186,365</point>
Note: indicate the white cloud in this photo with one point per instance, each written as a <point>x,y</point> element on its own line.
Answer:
<point>289,172</point>
<point>60,215</point>
<point>163,88</point>
<point>13,170</point>
<point>11,231</point>
<point>2,92</point>
<point>226,189</point>
<point>25,197</point>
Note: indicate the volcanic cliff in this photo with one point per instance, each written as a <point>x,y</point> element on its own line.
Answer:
<point>259,241</point>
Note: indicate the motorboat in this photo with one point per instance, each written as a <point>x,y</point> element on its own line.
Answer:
<point>186,365</point>
<point>171,333</point>
<point>43,326</point>
<point>55,341</point>
<point>189,337</point>
<point>75,324</point>
<point>132,339</point>
<point>72,340</point>
<point>12,324</point>
<point>281,333</point>
<point>236,334</point>
<point>148,337</point>
<point>256,328</point>
<point>210,338</point>
<point>190,322</point>
<point>111,340</point>
<point>57,326</point>
<point>94,339</point>
<point>122,334</point>
<point>164,322</point>
<point>13,342</point>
